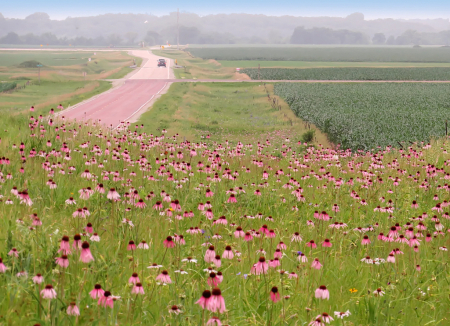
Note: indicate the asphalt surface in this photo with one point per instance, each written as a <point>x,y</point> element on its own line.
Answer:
<point>129,98</point>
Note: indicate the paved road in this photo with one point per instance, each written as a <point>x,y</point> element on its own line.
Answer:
<point>131,97</point>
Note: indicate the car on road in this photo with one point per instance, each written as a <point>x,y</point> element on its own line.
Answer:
<point>161,62</point>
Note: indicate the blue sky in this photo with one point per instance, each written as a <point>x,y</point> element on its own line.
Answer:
<point>60,9</point>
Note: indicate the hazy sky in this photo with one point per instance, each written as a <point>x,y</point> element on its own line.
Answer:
<point>60,9</point>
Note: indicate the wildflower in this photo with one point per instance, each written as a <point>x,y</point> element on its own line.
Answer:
<point>48,292</point>
<point>378,292</point>
<point>72,309</point>
<point>113,194</point>
<point>168,243</point>
<point>204,300</point>
<point>107,300</point>
<point>175,310</point>
<point>164,277</point>
<point>326,317</point>
<point>214,321</point>
<point>138,289</point>
<point>38,279</point>
<point>341,315</point>
<point>62,261</point>
<point>316,264</point>
<point>97,292</point>
<point>216,302</point>
<point>228,253</point>
<point>322,293</point>
<point>86,255</point>
<point>274,294</point>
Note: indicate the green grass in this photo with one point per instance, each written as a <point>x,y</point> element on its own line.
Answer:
<point>326,54</point>
<point>418,74</point>
<point>409,297</point>
<point>222,110</point>
<point>364,116</point>
<point>47,58</point>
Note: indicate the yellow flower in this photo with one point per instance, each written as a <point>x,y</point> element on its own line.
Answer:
<point>170,209</point>
<point>353,290</point>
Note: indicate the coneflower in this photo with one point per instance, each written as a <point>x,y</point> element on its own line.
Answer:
<point>274,294</point>
<point>48,292</point>
<point>322,292</point>
<point>86,255</point>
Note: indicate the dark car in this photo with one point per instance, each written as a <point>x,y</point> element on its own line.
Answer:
<point>161,62</point>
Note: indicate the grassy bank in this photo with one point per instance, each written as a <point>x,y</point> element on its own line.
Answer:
<point>232,111</point>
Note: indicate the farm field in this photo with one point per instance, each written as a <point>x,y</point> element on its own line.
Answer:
<point>128,227</point>
<point>359,73</point>
<point>364,116</point>
<point>222,111</point>
<point>318,64</point>
<point>64,65</point>
<point>326,54</point>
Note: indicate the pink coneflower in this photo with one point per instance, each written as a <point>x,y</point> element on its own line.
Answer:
<point>316,322</point>
<point>311,244</point>
<point>261,267</point>
<point>248,236</point>
<point>239,233</point>
<point>322,293</point>
<point>168,243</point>
<point>274,294</point>
<point>271,234</point>
<point>164,277</point>
<point>378,292</point>
<point>86,255</point>
<point>62,261</point>
<point>141,204</point>
<point>365,240</point>
<point>72,309</point>
<point>138,289</point>
<point>210,254</point>
<point>326,317</point>
<point>216,303</point>
<point>48,292</point>
<point>113,194</point>
<point>143,245</point>
<point>216,261</point>
<point>70,201</point>
<point>97,292</point>
<point>204,300</point>
<point>302,258</point>
<point>414,204</point>
<point>316,264</point>
<point>278,254</point>
<point>209,193</point>
<point>296,237</point>
<point>134,279</point>
<point>214,321</point>
<point>3,268</point>
<point>64,246</point>
<point>232,199</point>
<point>38,279</point>
<point>213,280</point>
<point>131,246</point>
<point>228,253</point>
<point>76,241</point>
<point>89,228</point>
<point>326,243</point>
<point>107,300</point>
<point>391,258</point>
<point>418,268</point>
<point>13,253</point>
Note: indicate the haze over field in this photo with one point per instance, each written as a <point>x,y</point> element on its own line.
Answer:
<point>212,27</point>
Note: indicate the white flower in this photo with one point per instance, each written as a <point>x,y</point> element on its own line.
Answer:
<point>341,315</point>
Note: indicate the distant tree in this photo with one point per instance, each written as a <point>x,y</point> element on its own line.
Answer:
<point>189,35</point>
<point>152,38</point>
<point>322,35</point>
<point>10,38</point>
<point>391,40</point>
<point>379,38</point>
<point>114,39</point>
<point>131,37</point>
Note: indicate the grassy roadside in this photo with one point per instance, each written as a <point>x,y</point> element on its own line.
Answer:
<point>225,111</point>
<point>48,95</point>
<point>197,68</point>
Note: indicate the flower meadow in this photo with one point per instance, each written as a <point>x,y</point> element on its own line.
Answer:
<point>119,227</point>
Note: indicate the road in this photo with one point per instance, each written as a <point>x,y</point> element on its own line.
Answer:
<point>130,98</point>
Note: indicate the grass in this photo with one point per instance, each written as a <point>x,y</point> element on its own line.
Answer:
<point>196,68</point>
<point>301,191</point>
<point>65,66</point>
<point>222,111</point>
<point>326,54</point>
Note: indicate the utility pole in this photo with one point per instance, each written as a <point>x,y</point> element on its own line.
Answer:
<point>178,29</point>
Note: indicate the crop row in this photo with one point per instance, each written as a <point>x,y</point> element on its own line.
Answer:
<point>346,54</point>
<point>364,116</point>
<point>431,73</point>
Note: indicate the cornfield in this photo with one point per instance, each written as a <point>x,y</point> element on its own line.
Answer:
<point>364,116</point>
<point>432,73</point>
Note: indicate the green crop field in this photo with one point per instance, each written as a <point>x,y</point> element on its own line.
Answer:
<point>363,116</point>
<point>321,64</point>
<point>330,54</point>
<point>432,73</point>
